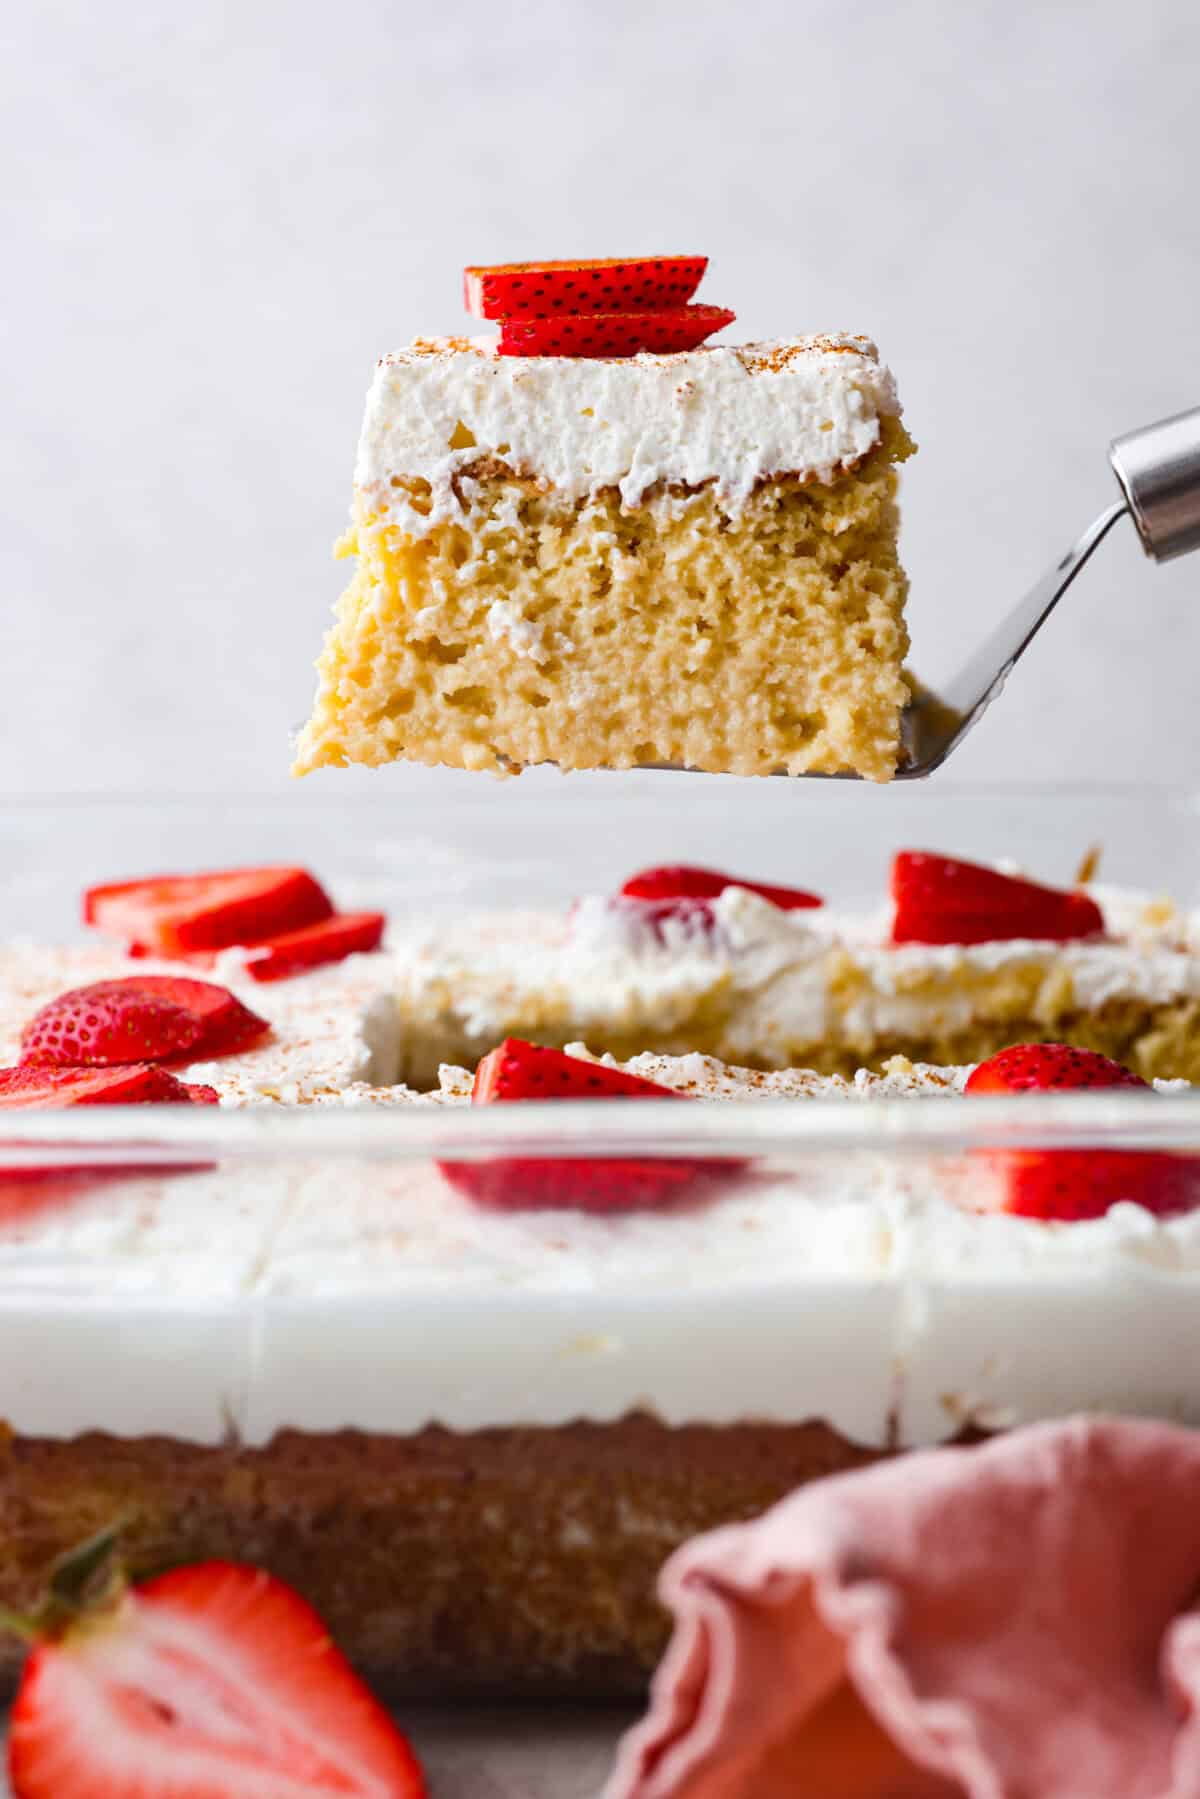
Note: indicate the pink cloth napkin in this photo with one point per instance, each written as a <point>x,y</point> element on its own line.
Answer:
<point>1016,1621</point>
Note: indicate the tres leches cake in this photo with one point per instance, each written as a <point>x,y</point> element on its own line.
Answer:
<point>467,1405</point>
<point>595,540</point>
<point>961,961</point>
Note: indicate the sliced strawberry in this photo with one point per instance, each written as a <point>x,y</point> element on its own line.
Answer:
<point>214,1681</point>
<point>681,881</point>
<point>940,900</point>
<point>525,1071</point>
<point>1070,1184</point>
<point>1049,1068</point>
<point>172,914</point>
<point>226,1026</point>
<point>140,1018</point>
<point>613,333</point>
<point>517,1070</point>
<point>294,952</point>
<point>24,1190</point>
<point>535,290</point>
<point>109,1023</point>
<point>32,1086</point>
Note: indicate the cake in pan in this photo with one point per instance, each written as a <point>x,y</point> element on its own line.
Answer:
<point>467,1406</point>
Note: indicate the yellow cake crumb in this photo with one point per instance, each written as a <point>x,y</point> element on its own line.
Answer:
<point>534,628</point>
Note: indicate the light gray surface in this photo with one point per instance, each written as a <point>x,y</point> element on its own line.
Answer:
<point>218,216</point>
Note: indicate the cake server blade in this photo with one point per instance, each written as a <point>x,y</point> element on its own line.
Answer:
<point>1158,469</point>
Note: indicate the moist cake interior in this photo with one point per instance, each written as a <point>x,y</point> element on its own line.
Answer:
<point>536,629</point>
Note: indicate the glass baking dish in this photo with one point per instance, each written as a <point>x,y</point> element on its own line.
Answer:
<point>473,1436</point>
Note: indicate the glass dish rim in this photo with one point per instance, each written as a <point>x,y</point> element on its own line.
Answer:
<point>941,1125</point>
<point>375,1131</point>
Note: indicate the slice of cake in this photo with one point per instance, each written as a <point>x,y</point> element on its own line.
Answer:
<point>597,559</point>
<point>962,962</point>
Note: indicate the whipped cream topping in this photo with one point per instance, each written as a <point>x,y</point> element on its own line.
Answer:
<point>733,416</point>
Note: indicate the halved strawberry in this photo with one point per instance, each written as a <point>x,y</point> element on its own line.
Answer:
<point>613,333</point>
<point>941,900</point>
<point>341,935</point>
<point>214,1681</point>
<point>140,1084</point>
<point>614,284</point>
<point>683,881</point>
<point>140,1018</point>
<point>525,1071</point>
<point>1071,1184</point>
<point>171,914</point>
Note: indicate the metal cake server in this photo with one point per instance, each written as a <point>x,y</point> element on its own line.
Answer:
<point>1158,469</point>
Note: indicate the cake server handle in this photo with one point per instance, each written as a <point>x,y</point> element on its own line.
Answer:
<point>1159,471</point>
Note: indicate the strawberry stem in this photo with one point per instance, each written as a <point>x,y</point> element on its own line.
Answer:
<point>86,1579</point>
<point>87,1573</point>
<point>18,1625</point>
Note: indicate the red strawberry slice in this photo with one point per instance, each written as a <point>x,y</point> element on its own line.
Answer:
<point>682,881</point>
<point>226,1026</point>
<point>25,1191</point>
<point>535,290</point>
<point>524,1071</point>
<point>1049,1067</point>
<point>31,1086</point>
<point>518,1070</point>
<point>344,934</point>
<point>110,1022</point>
<point>613,333</point>
<point>940,900</point>
<point>214,1681</point>
<point>1070,1185</point>
<point>140,1018</point>
<point>168,915</point>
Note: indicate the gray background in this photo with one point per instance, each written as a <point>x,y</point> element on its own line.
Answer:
<point>218,214</point>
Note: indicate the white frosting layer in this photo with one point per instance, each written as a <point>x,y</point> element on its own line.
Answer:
<point>808,406</point>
